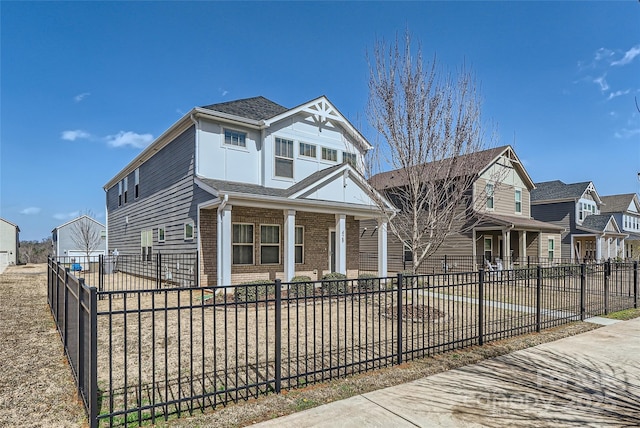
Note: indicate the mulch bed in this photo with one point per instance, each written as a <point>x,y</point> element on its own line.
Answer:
<point>414,313</point>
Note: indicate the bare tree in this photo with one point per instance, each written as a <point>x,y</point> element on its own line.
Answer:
<point>86,235</point>
<point>431,129</point>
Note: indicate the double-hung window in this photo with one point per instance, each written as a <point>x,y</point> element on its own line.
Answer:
<point>284,158</point>
<point>308,150</point>
<point>242,244</point>
<point>518,201</point>
<point>235,138</point>
<point>126,188</point>
<point>161,231</point>
<point>489,191</point>
<point>551,245</point>
<point>269,244</point>
<point>299,244</point>
<point>136,188</point>
<point>329,154</point>
<point>146,244</point>
<point>119,193</point>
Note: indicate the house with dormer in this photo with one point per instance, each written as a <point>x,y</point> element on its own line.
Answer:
<point>496,227</point>
<point>626,211</point>
<point>258,190</point>
<point>590,234</point>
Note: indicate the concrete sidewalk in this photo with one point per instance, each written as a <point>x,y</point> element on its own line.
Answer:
<point>587,380</point>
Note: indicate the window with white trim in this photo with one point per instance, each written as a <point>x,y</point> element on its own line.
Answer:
<point>308,150</point>
<point>188,231</point>
<point>350,158</point>
<point>407,254</point>
<point>329,154</point>
<point>120,193</point>
<point>488,248</point>
<point>299,244</point>
<point>551,246</point>
<point>136,181</point>
<point>269,244</point>
<point>235,138</point>
<point>146,244</point>
<point>284,158</point>
<point>161,231</point>
<point>242,243</point>
<point>518,201</point>
<point>489,189</point>
<point>126,188</point>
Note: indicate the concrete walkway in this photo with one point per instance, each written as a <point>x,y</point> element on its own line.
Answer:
<point>587,380</point>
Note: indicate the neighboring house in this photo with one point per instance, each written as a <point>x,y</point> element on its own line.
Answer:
<point>260,191</point>
<point>499,226</point>
<point>626,211</point>
<point>9,244</point>
<point>74,238</point>
<point>589,235</point>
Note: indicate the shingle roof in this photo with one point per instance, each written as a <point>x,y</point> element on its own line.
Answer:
<point>256,108</point>
<point>255,189</point>
<point>550,190</point>
<point>616,203</point>
<point>596,222</point>
<point>396,177</point>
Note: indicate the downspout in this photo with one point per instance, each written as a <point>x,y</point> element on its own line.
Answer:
<point>223,202</point>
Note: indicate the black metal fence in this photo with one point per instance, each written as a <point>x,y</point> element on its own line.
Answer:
<point>168,351</point>
<point>368,263</point>
<point>135,271</point>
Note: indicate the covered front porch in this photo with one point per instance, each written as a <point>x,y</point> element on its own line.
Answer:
<point>504,242</point>
<point>249,232</point>
<point>598,238</point>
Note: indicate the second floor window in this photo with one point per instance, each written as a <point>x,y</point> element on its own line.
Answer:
<point>350,158</point>
<point>489,192</point>
<point>519,201</point>
<point>235,138</point>
<point>329,154</point>
<point>307,150</point>
<point>284,158</point>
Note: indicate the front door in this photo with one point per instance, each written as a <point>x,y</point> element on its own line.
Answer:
<point>332,250</point>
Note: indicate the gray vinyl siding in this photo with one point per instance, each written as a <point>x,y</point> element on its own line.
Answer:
<point>561,214</point>
<point>167,197</point>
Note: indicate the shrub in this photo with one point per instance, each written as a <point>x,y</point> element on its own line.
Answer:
<point>368,282</point>
<point>334,283</point>
<point>301,286</point>
<point>253,290</point>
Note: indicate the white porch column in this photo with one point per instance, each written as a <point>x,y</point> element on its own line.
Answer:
<point>341,243</point>
<point>598,248</point>
<point>523,245</point>
<point>289,245</point>
<point>474,251</point>
<point>382,248</point>
<point>224,247</point>
<point>506,247</point>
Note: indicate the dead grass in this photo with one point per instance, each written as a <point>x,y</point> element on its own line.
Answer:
<point>273,406</point>
<point>36,385</point>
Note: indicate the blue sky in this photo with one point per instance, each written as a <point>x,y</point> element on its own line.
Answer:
<point>85,86</point>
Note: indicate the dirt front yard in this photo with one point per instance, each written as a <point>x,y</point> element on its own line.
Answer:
<point>36,385</point>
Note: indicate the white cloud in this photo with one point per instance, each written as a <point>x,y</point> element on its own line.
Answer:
<point>66,216</point>
<point>602,54</point>
<point>627,133</point>
<point>128,138</point>
<point>602,82</point>
<point>74,135</point>
<point>223,92</point>
<point>615,94</point>
<point>81,96</point>
<point>628,56</point>
<point>31,211</point>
